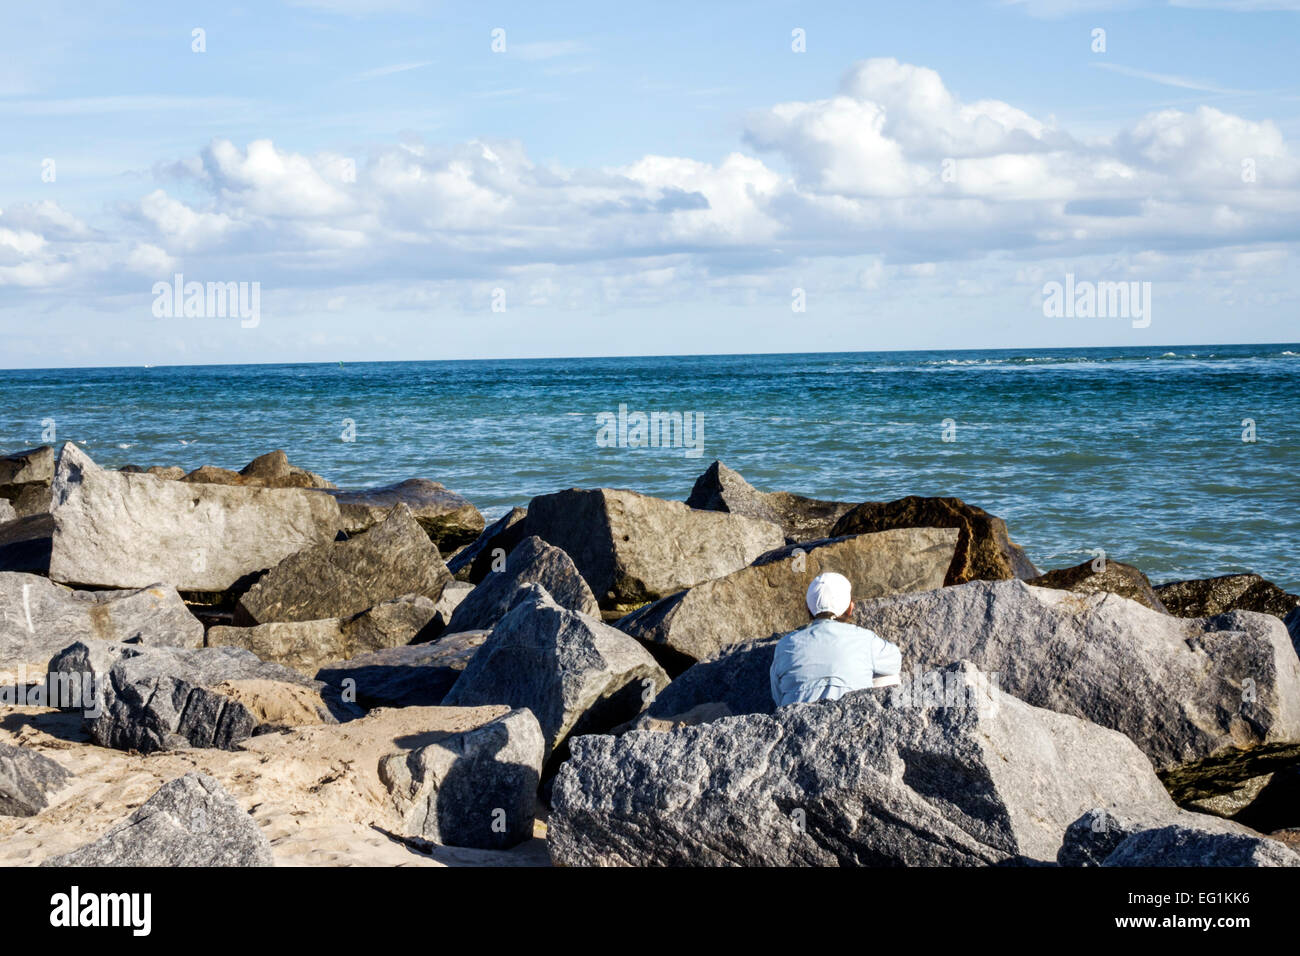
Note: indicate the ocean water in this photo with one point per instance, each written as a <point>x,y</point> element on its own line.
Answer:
<point>1139,452</point>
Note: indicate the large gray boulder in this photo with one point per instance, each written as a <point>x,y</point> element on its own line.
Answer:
<point>450,520</point>
<point>488,551</point>
<point>1091,839</point>
<point>28,780</point>
<point>39,617</point>
<point>25,478</point>
<point>418,675</point>
<point>532,562</point>
<point>190,821</point>
<point>342,578</point>
<point>1207,597</point>
<point>962,776</point>
<point>130,531</point>
<point>1190,693</point>
<point>164,698</point>
<point>477,788</point>
<point>736,681</point>
<point>766,598</point>
<point>576,674</point>
<point>985,551</point>
<point>1099,577</point>
<point>801,519</point>
<point>633,549</point>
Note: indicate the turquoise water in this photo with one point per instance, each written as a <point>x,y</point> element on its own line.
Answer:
<point>1136,451</point>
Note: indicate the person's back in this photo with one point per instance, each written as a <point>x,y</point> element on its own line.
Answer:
<point>829,657</point>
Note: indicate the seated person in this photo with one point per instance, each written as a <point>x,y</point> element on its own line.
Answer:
<point>829,657</point>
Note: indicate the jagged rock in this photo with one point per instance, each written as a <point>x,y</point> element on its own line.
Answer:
<point>632,548</point>
<point>25,478</point>
<point>116,530</point>
<point>532,562</point>
<point>1096,834</point>
<point>418,675</point>
<point>27,780</point>
<point>25,544</point>
<point>191,821</point>
<point>161,698</point>
<point>477,788</point>
<point>576,674</point>
<point>1231,592</point>
<point>1184,846</point>
<point>342,578</point>
<point>452,595</point>
<point>271,470</point>
<point>766,599</point>
<point>1115,578</point>
<point>801,519</point>
<point>970,777</point>
<point>449,519</point>
<point>984,549</point>
<point>39,618</point>
<point>733,682</point>
<point>1190,693</point>
<point>306,646</point>
<point>474,562</point>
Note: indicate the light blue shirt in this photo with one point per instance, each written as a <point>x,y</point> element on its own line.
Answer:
<point>826,659</point>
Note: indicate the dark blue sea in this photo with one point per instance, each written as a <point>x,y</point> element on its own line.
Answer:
<point>1139,452</point>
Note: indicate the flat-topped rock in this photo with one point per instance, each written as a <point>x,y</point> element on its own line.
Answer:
<point>968,776</point>
<point>338,579</point>
<point>449,519</point>
<point>38,618</point>
<point>766,598</point>
<point>129,531</point>
<point>985,552</point>
<point>633,548</point>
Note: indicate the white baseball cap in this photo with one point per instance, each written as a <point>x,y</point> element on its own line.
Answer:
<point>829,592</point>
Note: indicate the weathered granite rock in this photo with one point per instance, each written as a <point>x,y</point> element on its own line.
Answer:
<point>1190,693</point>
<point>766,599</point>
<point>39,618</point>
<point>418,675</point>
<point>271,470</point>
<point>734,682</point>
<point>1185,846</point>
<point>168,472</point>
<point>161,698</point>
<point>574,673</point>
<point>7,512</point>
<point>1096,834</point>
<point>1231,592</point>
<point>190,821</point>
<point>984,549</point>
<point>801,519</point>
<point>1115,578</point>
<point>532,562</point>
<point>306,646</point>
<point>28,780</point>
<point>875,778</point>
<point>477,788</point>
<point>342,578</point>
<point>632,548</point>
<point>450,520</point>
<point>117,530</point>
<point>25,478</point>
<point>489,550</point>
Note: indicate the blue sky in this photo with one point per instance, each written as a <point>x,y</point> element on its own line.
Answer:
<point>641,181</point>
